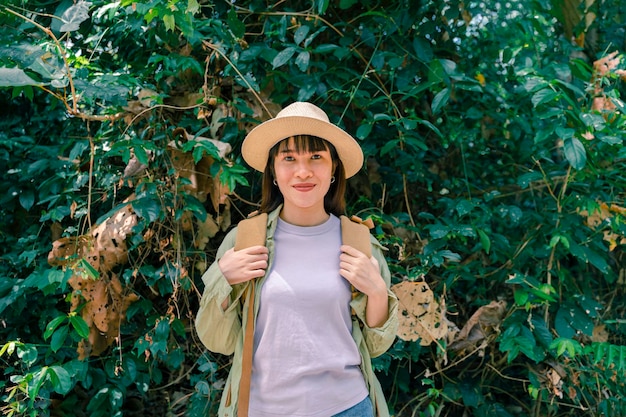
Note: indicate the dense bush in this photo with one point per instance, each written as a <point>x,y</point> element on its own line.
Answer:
<point>494,139</point>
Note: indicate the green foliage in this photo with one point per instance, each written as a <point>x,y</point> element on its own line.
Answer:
<point>495,170</point>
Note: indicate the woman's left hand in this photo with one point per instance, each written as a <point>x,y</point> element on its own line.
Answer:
<point>364,275</point>
<point>362,272</point>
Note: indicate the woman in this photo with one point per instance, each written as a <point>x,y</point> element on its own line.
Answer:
<point>311,356</point>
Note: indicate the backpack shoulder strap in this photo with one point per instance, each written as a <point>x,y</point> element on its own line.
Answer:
<point>356,234</point>
<point>251,232</point>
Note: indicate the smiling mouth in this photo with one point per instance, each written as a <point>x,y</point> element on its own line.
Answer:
<point>304,187</point>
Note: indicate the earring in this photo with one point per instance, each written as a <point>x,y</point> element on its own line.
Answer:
<point>332,179</point>
<point>275,183</point>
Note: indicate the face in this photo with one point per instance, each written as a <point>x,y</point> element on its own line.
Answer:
<point>304,178</point>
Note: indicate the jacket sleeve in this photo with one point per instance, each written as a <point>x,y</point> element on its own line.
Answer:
<point>219,329</point>
<point>378,339</point>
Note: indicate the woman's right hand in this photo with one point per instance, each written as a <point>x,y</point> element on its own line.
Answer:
<point>243,265</point>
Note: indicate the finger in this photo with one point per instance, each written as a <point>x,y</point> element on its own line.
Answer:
<point>346,275</point>
<point>262,265</point>
<point>256,250</point>
<point>256,273</point>
<point>347,249</point>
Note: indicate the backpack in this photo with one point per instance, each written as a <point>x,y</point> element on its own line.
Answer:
<point>252,232</point>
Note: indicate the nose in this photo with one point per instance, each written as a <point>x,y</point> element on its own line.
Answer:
<point>304,169</point>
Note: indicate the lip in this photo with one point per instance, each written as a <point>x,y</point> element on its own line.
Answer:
<point>304,187</point>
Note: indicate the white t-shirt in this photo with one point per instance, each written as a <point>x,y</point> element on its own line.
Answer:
<point>305,360</point>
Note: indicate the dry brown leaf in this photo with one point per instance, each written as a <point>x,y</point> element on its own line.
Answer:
<point>197,174</point>
<point>219,192</point>
<point>206,230</point>
<point>420,316</point>
<point>555,382</point>
<point>110,238</point>
<point>600,334</point>
<point>601,68</point>
<point>105,308</point>
<point>484,322</point>
<point>105,300</point>
<point>134,168</point>
<point>606,213</point>
<point>605,64</point>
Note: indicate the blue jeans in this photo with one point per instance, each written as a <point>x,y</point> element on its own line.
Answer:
<point>362,409</point>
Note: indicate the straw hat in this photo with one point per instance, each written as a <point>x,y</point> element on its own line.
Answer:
<point>300,118</point>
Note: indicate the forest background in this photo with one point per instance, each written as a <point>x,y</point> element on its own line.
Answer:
<point>495,175</point>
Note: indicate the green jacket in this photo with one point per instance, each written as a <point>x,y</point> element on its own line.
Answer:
<point>222,331</point>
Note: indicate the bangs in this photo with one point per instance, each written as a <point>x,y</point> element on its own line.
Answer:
<point>303,144</point>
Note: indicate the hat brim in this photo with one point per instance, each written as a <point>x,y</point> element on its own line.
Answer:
<point>261,139</point>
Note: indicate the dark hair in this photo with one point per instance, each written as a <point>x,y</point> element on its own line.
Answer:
<point>334,200</point>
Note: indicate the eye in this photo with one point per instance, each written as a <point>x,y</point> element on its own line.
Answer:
<point>316,156</point>
<point>288,158</point>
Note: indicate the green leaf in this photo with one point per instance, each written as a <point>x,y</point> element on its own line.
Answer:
<point>597,260</point>
<point>449,255</point>
<point>321,6</point>
<point>596,121</point>
<point>74,16</point>
<point>438,231</point>
<point>575,153</point>
<point>554,241</point>
<point>564,132</point>
<point>88,268</point>
<point>193,6</point>
<point>147,208</point>
<point>587,255</point>
<point>388,146</point>
<point>484,240</point>
<point>235,25</point>
<point>525,180</point>
<point>38,379</point>
<point>243,107</point>
<point>364,130</point>
<point>283,57</point>
<point>194,205</point>
<point>52,326</point>
<point>27,353</point>
<point>346,4</point>
<point>542,334</point>
<point>61,379</point>
<point>521,297</point>
<point>8,347</point>
<point>58,338</point>
<point>589,305</point>
<point>141,154</point>
<point>440,100</point>
<point>80,325</point>
<point>301,33</point>
<point>571,319</point>
<point>565,345</point>
<point>471,393</point>
<point>544,292</point>
<point>464,207</point>
<point>170,22</point>
<point>27,199</point>
<point>611,140</point>
<point>302,60</point>
<point>15,77</point>
<point>311,38</point>
<point>464,230</point>
<point>543,96</point>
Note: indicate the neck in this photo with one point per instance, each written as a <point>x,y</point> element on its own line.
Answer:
<point>304,217</point>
